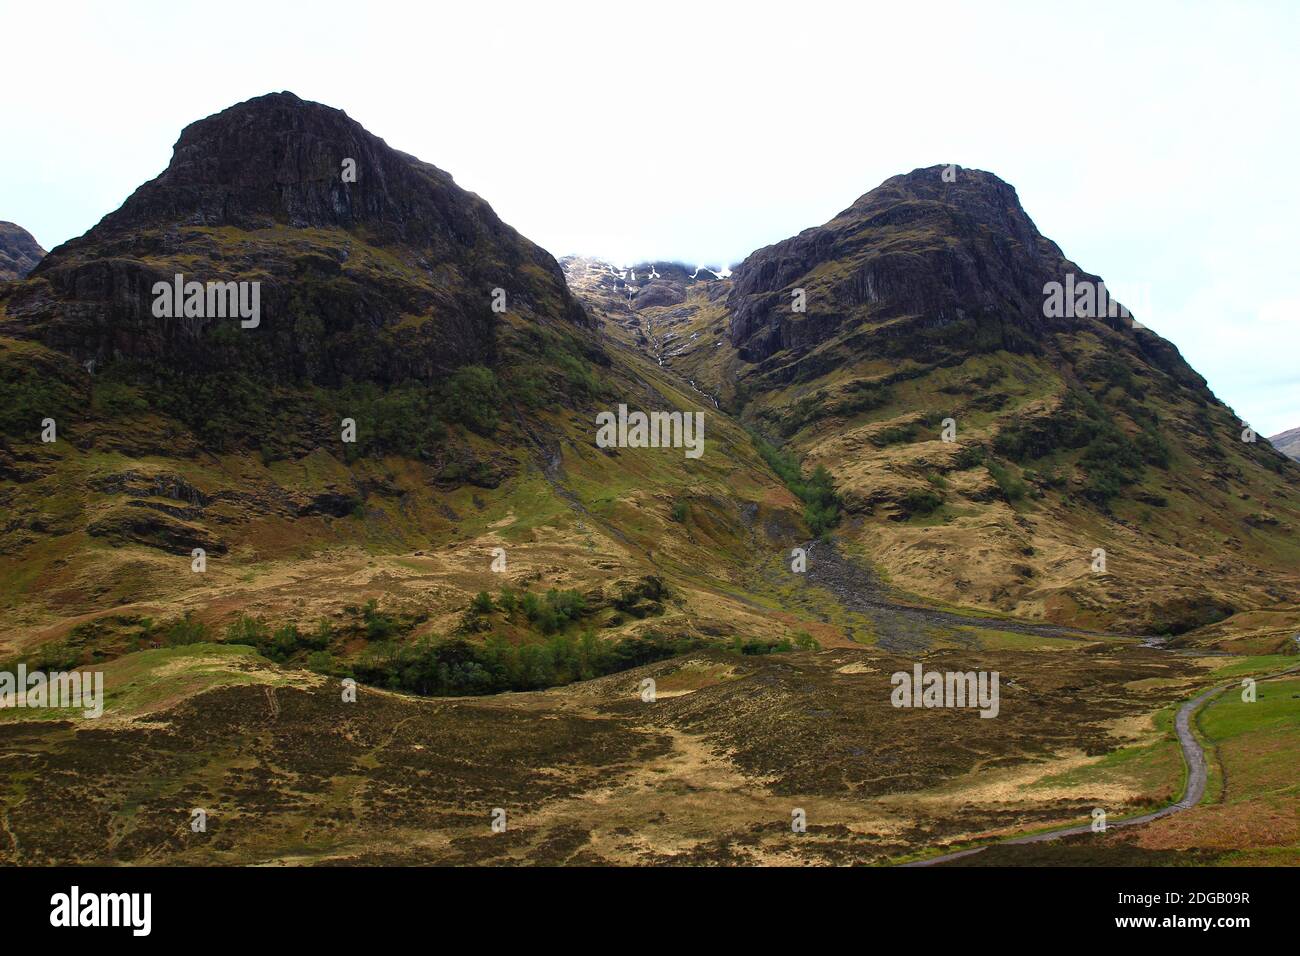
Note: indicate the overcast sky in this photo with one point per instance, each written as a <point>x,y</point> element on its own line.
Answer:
<point>1156,143</point>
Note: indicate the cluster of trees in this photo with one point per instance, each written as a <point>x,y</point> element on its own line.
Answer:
<point>549,613</point>
<point>454,667</point>
<point>802,640</point>
<point>817,492</point>
<point>1111,459</point>
<point>436,667</point>
<point>282,643</point>
<point>410,420</point>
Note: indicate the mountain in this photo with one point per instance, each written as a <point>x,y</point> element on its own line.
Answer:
<point>397,306</point>
<point>360,464</point>
<point>644,305</point>
<point>926,303</point>
<point>1288,443</point>
<point>386,279</point>
<point>19,252</point>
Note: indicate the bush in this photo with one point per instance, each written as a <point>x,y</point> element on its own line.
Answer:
<point>248,630</point>
<point>1012,488</point>
<point>379,626</point>
<point>471,397</point>
<point>680,512</point>
<point>554,611</point>
<point>58,656</point>
<point>921,501</point>
<point>322,662</point>
<point>185,630</point>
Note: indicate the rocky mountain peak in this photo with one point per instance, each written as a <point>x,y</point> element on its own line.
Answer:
<point>349,242</point>
<point>278,160</point>
<point>946,244</point>
<point>19,251</point>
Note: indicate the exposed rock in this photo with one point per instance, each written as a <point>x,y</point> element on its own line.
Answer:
<point>127,524</point>
<point>19,251</point>
<point>256,193</point>
<point>954,266</point>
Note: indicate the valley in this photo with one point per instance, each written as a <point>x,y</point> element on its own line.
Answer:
<point>457,606</point>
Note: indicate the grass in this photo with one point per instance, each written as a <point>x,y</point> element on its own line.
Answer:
<point>991,639</point>
<point>146,681</point>
<point>1256,665</point>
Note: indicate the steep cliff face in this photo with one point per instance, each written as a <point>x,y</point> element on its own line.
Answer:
<point>371,264</point>
<point>418,379</point>
<point>936,268</point>
<point>19,252</point>
<point>986,435</point>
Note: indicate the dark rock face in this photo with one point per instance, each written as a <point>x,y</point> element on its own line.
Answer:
<point>937,268</point>
<point>388,278</point>
<point>914,246</point>
<point>19,251</point>
<point>660,292</point>
<point>278,160</point>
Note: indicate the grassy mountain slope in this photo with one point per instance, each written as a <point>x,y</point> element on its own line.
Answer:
<point>474,429</point>
<point>924,301</point>
<point>328,560</point>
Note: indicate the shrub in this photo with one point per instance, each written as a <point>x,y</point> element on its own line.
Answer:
<point>379,626</point>
<point>185,630</point>
<point>471,397</point>
<point>921,501</point>
<point>1012,488</point>
<point>248,630</point>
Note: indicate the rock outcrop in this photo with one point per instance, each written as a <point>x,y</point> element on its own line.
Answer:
<point>19,251</point>
<point>371,264</point>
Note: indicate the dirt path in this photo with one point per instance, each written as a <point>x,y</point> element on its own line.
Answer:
<point>1197,778</point>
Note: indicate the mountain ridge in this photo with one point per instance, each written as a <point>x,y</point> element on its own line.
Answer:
<point>925,301</point>
<point>20,253</point>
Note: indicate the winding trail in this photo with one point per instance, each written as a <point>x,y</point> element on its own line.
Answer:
<point>1197,778</point>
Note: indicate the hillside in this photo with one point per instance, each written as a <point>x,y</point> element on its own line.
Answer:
<point>19,252</point>
<point>359,570</point>
<point>473,427</point>
<point>924,302</point>
<point>1288,443</point>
